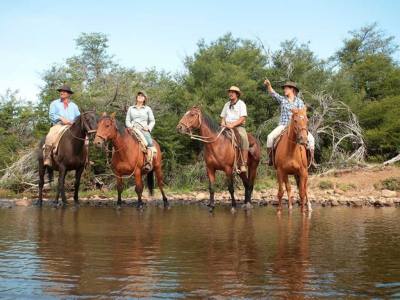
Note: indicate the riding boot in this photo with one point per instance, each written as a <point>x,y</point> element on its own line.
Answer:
<point>47,155</point>
<point>148,166</point>
<point>243,167</point>
<point>270,162</point>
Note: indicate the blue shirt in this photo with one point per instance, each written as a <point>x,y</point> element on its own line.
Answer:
<point>57,110</point>
<point>286,107</point>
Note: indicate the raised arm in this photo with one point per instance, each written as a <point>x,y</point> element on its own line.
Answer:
<point>272,92</point>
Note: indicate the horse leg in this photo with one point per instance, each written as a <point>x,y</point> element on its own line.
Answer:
<point>42,171</point>
<point>139,187</point>
<point>120,187</point>
<point>253,164</point>
<point>302,191</point>
<point>78,174</point>
<point>280,189</point>
<point>231,189</point>
<point>60,187</point>
<point>160,183</point>
<point>306,195</point>
<point>289,191</point>
<point>247,192</point>
<point>211,188</point>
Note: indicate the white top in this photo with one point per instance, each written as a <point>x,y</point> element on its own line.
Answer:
<point>234,113</point>
<point>140,117</point>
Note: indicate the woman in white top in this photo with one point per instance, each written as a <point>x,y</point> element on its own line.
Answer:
<point>141,116</point>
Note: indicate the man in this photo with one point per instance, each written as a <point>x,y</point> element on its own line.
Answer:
<point>62,112</point>
<point>234,115</point>
<point>287,103</point>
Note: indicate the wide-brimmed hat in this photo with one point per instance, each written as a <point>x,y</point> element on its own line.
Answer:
<point>291,84</point>
<point>143,93</point>
<point>65,88</point>
<point>234,89</point>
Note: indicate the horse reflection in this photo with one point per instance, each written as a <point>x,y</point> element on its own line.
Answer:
<point>291,265</point>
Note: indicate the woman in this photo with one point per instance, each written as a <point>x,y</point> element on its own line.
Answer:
<point>140,116</point>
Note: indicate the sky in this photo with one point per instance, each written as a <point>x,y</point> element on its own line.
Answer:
<point>143,34</point>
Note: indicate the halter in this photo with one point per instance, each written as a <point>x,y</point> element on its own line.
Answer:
<point>204,139</point>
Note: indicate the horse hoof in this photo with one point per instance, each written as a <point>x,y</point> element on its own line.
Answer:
<point>290,207</point>
<point>211,208</point>
<point>233,210</point>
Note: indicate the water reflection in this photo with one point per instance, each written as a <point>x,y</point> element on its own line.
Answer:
<point>187,252</point>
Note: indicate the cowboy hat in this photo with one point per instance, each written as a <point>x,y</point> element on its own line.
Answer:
<point>234,89</point>
<point>291,84</point>
<point>65,88</point>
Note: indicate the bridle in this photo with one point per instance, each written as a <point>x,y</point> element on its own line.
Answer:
<point>189,126</point>
<point>84,126</point>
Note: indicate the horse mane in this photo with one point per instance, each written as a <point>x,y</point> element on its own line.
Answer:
<point>212,124</point>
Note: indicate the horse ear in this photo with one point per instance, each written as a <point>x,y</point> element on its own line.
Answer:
<point>112,115</point>
<point>104,114</point>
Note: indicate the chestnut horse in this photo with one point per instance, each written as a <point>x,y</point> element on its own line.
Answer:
<point>128,159</point>
<point>219,153</point>
<point>291,158</point>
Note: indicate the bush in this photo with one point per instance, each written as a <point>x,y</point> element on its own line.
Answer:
<point>325,185</point>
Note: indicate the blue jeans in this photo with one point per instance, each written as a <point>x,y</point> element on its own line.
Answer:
<point>148,138</point>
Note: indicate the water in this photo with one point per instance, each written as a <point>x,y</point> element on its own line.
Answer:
<point>186,252</point>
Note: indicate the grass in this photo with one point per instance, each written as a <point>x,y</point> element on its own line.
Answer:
<point>325,185</point>
<point>392,183</point>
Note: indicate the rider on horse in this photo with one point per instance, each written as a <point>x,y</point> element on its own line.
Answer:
<point>234,115</point>
<point>140,117</point>
<point>62,112</point>
<point>287,103</point>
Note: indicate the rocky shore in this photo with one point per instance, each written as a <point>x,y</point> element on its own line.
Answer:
<point>327,198</point>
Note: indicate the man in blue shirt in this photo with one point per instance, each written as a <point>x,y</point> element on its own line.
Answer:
<point>62,112</point>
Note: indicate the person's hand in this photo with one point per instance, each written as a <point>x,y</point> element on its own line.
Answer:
<point>267,83</point>
<point>146,128</point>
<point>229,126</point>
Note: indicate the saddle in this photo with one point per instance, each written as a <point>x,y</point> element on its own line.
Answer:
<point>236,141</point>
<point>57,136</point>
<point>143,145</point>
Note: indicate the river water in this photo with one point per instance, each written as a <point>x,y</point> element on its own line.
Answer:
<point>185,252</point>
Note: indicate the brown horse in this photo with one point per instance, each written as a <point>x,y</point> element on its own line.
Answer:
<point>291,158</point>
<point>71,155</point>
<point>219,153</point>
<point>128,159</point>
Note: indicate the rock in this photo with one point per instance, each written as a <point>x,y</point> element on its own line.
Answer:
<point>388,193</point>
<point>23,202</point>
<point>334,202</point>
<point>339,192</point>
<point>201,196</point>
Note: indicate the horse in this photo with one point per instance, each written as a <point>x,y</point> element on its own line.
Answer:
<point>128,159</point>
<point>290,158</point>
<point>71,155</point>
<point>220,153</point>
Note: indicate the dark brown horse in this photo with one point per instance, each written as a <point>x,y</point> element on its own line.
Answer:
<point>291,158</point>
<point>220,154</point>
<point>128,159</point>
<point>71,155</point>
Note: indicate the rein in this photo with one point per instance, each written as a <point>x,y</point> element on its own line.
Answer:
<point>83,126</point>
<point>201,138</point>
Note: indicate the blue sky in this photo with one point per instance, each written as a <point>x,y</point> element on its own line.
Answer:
<point>143,34</point>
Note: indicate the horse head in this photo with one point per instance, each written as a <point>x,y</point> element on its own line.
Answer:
<point>106,129</point>
<point>191,120</point>
<point>89,121</point>
<point>299,122</point>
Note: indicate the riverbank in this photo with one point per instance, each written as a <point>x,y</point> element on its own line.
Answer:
<point>357,187</point>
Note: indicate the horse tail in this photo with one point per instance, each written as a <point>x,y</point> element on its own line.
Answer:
<point>297,177</point>
<point>150,182</point>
